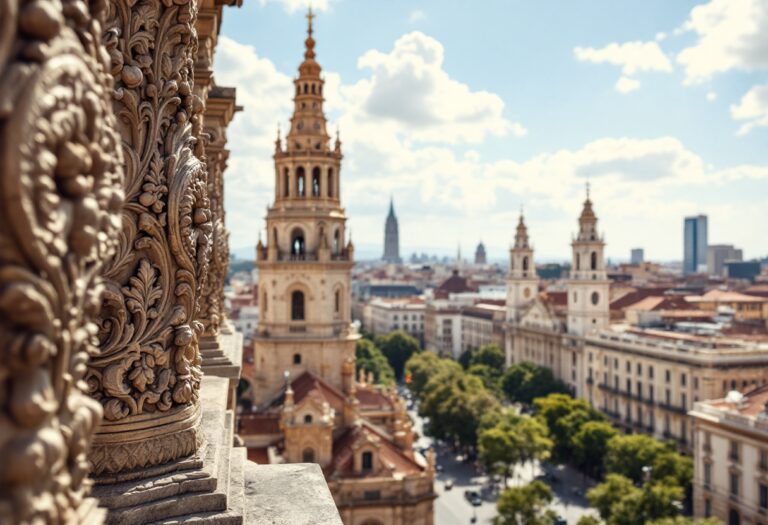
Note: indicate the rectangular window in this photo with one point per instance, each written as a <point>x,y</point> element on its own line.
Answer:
<point>639,389</point>
<point>650,393</point>
<point>683,401</point>
<point>667,396</point>
<point>616,382</point>
<point>667,376</point>
<point>683,379</point>
<point>695,383</point>
<point>629,386</point>
<point>764,459</point>
<point>734,485</point>
<point>707,474</point>
<point>707,508</point>
<point>763,491</point>
<point>733,451</point>
<point>629,367</point>
<point>650,372</point>
<point>639,369</point>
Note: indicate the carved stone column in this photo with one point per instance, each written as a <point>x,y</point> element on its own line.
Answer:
<point>147,373</point>
<point>60,197</point>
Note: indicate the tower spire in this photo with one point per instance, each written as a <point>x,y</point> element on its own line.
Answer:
<point>309,43</point>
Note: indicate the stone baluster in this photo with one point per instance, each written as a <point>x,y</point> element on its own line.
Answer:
<point>147,372</point>
<point>61,175</point>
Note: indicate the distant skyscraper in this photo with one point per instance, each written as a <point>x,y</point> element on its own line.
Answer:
<point>391,237</point>
<point>637,256</point>
<point>718,254</point>
<point>480,257</point>
<point>695,244</point>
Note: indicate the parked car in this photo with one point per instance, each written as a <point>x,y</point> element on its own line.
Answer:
<point>448,484</point>
<point>473,497</point>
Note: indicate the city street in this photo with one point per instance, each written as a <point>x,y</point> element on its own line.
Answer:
<point>452,508</point>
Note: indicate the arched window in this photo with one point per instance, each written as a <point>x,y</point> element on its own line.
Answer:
<point>313,89</point>
<point>308,419</point>
<point>595,298</point>
<point>337,301</point>
<point>315,181</point>
<point>593,261</point>
<point>297,310</point>
<point>330,182</point>
<point>320,89</point>
<point>525,263</point>
<point>264,300</point>
<point>300,181</point>
<point>578,261</point>
<point>336,242</point>
<point>306,89</point>
<point>308,456</point>
<point>367,461</point>
<point>286,183</point>
<point>297,242</point>
<point>297,357</point>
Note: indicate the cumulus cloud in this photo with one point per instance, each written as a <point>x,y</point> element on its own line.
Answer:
<point>408,88</point>
<point>633,57</point>
<point>752,109</point>
<point>299,5</point>
<point>711,96</point>
<point>731,34</point>
<point>627,85</point>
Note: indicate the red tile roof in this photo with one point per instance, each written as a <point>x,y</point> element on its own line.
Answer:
<point>258,424</point>
<point>258,455</point>
<point>307,382</point>
<point>370,399</point>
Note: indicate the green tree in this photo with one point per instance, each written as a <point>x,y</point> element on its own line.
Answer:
<point>670,466</point>
<point>465,358</point>
<point>588,520</point>
<point>398,347</point>
<point>487,375</point>
<point>686,520</point>
<point>524,382</point>
<point>499,449</point>
<point>628,455</point>
<point>654,501</point>
<point>590,444</point>
<point>423,366</point>
<point>369,358</point>
<point>512,439</point>
<point>489,355</point>
<point>564,416</point>
<point>604,496</point>
<point>526,505</point>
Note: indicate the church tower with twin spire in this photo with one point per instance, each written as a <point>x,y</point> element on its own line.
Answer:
<point>588,286</point>
<point>305,265</point>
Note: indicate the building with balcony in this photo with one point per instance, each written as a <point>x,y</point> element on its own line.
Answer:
<point>384,315</point>
<point>730,479</point>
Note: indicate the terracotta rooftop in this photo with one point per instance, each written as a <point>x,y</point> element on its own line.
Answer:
<point>393,459</point>
<point>258,424</point>
<point>370,399</point>
<point>454,284</point>
<point>751,404</point>
<point>635,296</point>
<point>307,382</point>
<point>722,296</point>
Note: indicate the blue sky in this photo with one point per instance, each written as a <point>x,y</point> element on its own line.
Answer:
<point>464,111</point>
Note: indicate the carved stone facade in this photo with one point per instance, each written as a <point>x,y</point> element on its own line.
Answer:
<point>113,257</point>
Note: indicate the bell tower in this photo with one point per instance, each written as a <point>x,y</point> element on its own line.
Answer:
<point>522,281</point>
<point>588,286</point>
<point>305,266</point>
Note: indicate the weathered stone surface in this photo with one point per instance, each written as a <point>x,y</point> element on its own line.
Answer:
<point>291,494</point>
<point>61,175</point>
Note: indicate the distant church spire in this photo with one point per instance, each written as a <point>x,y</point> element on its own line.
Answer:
<point>391,236</point>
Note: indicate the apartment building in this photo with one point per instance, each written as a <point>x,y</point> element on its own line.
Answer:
<point>383,315</point>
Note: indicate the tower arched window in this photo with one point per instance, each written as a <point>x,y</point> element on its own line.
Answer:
<point>336,241</point>
<point>264,301</point>
<point>296,359</point>
<point>330,182</point>
<point>306,89</point>
<point>286,183</point>
<point>308,456</point>
<point>315,181</point>
<point>308,419</point>
<point>297,308</point>
<point>367,461</point>
<point>578,261</point>
<point>525,263</point>
<point>297,242</point>
<point>593,261</point>
<point>300,181</point>
<point>313,89</point>
<point>337,301</point>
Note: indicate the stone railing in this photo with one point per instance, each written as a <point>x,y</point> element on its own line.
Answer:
<point>117,358</point>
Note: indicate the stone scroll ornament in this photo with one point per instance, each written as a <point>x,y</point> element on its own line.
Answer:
<point>61,176</point>
<point>147,374</point>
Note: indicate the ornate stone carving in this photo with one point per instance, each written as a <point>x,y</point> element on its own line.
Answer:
<point>147,373</point>
<point>60,197</point>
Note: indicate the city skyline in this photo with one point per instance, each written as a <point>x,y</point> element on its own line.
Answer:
<point>462,143</point>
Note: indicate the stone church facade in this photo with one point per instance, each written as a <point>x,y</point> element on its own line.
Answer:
<point>119,366</point>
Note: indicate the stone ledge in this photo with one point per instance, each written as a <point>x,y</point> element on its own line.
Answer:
<point>292,494</point>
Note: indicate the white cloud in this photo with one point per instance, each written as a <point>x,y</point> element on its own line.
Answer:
<point>633,57</point>
<point>416,15</point>
<point>299,5</point>
<point>752,109</point>
<point>627,85</point>
<point>711,96</point>
<point>409,93</point>
<point>731,34</point>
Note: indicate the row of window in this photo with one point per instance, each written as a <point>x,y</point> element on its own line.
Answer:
<point>300,185</point>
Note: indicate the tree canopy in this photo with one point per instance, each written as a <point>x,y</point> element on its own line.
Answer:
<point>369,357</point>
<point>398,347</point>
<point>524,382</point>
<point>526,505</point>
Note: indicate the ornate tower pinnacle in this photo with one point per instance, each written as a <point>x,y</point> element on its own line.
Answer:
<point>522,280</point>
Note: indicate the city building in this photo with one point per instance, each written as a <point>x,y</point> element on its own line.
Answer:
<point>718,255</point>
<point>391,237</point>
<point>748,270</point>
<point>482,324</point>
<point>730,479</point>
<point>480,256</point>
<point>384,315</point>
<point>695,242</point>
<point>304,404</point>
<point>637,256</point>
